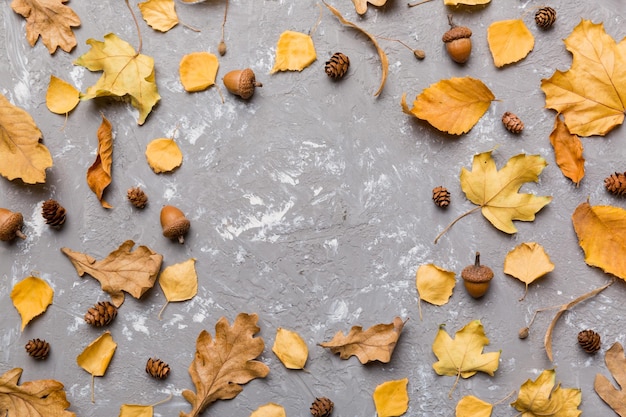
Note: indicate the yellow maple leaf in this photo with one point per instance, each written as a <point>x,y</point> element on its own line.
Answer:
<point>61,97</point>
<point>99,173</point>
<point>159,14</point>
<point>509,41</point>
<point>527,262</point>
<point>126,73</point>
<point>21,154</point>
<point>198,71</point>
<point>453,106</point>
<point>391,398</point>
<point>290,348</point>
<point>294,52</point>
<point>361,5</point>
<point>269,410</point>
<point>163,155</point>
<point>568,151</point>
<point>465,2</point>
<point>95,358</point>
<point>434,284</point>
<point>179,282</point>
<point>31,297</point>
<point>539,398</point>
<point>590,95</point>
<point>470,406</point>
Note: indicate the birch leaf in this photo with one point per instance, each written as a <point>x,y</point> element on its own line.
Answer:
<point>136,410</point>
<point>434,284</point>
<point>616,364</point>
<point>61,97</point>
<point>527,262</point>
<point>198,71</point>
<point>391,398</point>
<point>290,348</point>
<point>31,297</point>
<point>159,14</point>
<point>509,41</point>
<point>179,282</point>
<point>269,410</point>
<point>470,406</point>
<point>540,398</point>
<point>99,173</point>
<point>568,151</point>
<point>95,358</point>
<point>361,5</point>
<point>294,52</point>
<point>163,155</point>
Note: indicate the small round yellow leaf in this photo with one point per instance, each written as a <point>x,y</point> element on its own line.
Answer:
<point>96,357</point>
<point>31,297</point>
<point>470,406</point>
<point>290,348</point>
<point>159,14</point>
<point>198,71</point>
<point>434,284</point>
<point>163,155</point>
<point>294,52</point>
<point>509,41</point>
<point>391,398</point>
<point>61,97</point>
<point>179,282</point>
<point>269,410</point>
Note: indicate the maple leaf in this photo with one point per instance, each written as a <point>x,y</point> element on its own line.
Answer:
<point>462,356</point>
<point>391,398</point>
<point>374,344</point>
<point>501,35</point>
<point>99,173</point>
<point>616,364</point>
<point>159,14</point>
<point>222,364</point>
<point>21,154</point>
<point>591,95</point>
<point>527,262</point>
<point>31,297</point>
<point>568,151</point>
<point>40,398</point>
<point>539,398</point>
<point>122,270</point>
<point>50,19</point>
<point>361,5</point>
<point>126,73</point>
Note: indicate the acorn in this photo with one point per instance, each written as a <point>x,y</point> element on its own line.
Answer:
<point>241,83</point>
<point>477,278</point>
<point>174,223</point>
<point>458,42</point>
<point>10,225</point>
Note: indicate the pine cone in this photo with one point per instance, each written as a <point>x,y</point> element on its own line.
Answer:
<point>441,196</point>
<point>53,212</point>
<point>137,197</point>
<point>337,66</point>
<point>38,348</point>
<point>545,17</point>
<point>589,341</point>
<point>616,183</point>
<point>322,407</point>
<point>101,314</point>
<point>512,123</point>
<point>157,368</point>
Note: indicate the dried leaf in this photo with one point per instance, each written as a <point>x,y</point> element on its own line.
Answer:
<point>290,348</point>
<point>21,154</point>
<point>122,270</point>
<point>568,151</point>
<point>179,282</point>
<point>163,155</point>
<point>616,364</point>
<point>374,344</point>
<point>31,297</point>
<point>434,284</point>
<point>269,410</point>
<point>40,398</point>
<point>590,94</point>
<point>294,52</point>
<point>99,174</point>
<point>61,97</point>
<point>136,410</point>
<point>539,398</point>
<point>198,71</point>
<point>95,358</point>
<point>51,20</point>
<point>465,2</point>
<point>453,106</point>
<point>527,262</point>
<point>159,14</point>
<point>361,5</point>
<point>222,364</point>
<point>126,73</point>
<point>509,41</point>
<point>391,398</point>
<point>470,406</point>
<point>384,61</point>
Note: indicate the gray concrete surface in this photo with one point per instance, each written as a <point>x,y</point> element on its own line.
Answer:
<point>310,205</point>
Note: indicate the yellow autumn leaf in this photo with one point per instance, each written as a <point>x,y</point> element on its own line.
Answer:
<point>269,410</point>
<point>135,410</point>
<point>290,348</point>
<point>61,97</point>
<point>159,14</point>
<point>453,106</point>
<point>527,262</point>
<point>391,398</point>
<point>568,151</point>
<point>509,41</point>
<point>31,297</point>
<point>99,173</point>
<point>361,5</point>
<point>163,155</point>
<point>179,282</point>
<point>294,52</point>
<point>465,2</point>
<point>470,406</point>
<point>198,71</point>
<point>96,356</point>
<point>434,284</point>
<point>539,398</point>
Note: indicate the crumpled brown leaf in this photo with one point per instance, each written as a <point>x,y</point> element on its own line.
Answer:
<point>99,174</point>
<point>616,363</point>
<point>222,364</point>
<point>122,270</point>
<point>374,344</point>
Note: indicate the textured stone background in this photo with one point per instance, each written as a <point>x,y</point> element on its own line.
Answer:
<point>310,205</point>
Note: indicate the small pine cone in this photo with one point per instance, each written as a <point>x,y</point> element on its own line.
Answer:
<point>101,314</point>
<point>158,369</point>
<point>322,407</point>
<point>53,213</point>
<point>337,66</point>
<point>512,123</point>
<point>137,197</point>
<point>545,17</point>
<point>616,183</point>
<point>441,196</point>
<point>589,341</point>
<point>38,348</point>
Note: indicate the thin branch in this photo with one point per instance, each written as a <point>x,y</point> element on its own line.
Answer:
<point>136,25</point>
<point>417,3</point>
<point>454,221</point>
<point>222,45</point>
<point>319,20</point>
<point>509,395</point>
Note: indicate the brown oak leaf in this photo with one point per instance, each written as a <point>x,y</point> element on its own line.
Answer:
<point>40,398</point>
<point>50,19</point>
<point>616,363</point>
<point>222,364</point>
<point>121,271</point>
<point>99,174</point>
<point>374,344</point>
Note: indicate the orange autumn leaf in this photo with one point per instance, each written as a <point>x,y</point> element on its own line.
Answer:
<point>568,151</point>
<point>470,406</point>
<point>31,297</point>
<point>509,41</point>
<point>294,52</point>
<point>163,155</point>
<point>616,364</point>
<point>391,398</point>
<point>61,97</point>
<point>159,14</point>
<point>198,71</point>
<point>99,173</point>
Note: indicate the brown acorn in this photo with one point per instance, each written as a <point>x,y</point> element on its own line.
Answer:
<point>174,223</point>
<point>477,278</point>
<point>241,83</point>
<point>10,225</point>
<point>458,42</point>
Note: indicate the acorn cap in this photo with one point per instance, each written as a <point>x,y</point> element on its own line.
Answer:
<point>177,229</point>
<point>477,273</point>
<point>457,32</point>
<point>10,225</point>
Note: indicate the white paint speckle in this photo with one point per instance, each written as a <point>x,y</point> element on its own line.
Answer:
<point>338,311</point>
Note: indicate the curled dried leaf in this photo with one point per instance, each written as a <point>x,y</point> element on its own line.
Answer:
<point>99,173</point>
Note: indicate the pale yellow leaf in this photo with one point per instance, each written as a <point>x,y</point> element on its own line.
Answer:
<point>163,155</point>
<point>135,410</point>
<point>391,398</point>
<point>434,284</point>
<point>159,14</point>
<point>198,71</point>
<point>97,355</point>
<point>465,2</point>
<point>269,410</point>
<point>470,406</point>
<point>61,97</point>
<point>527,262</point>
<point>509,41</point>
<point>179,282</point>
<point>294,52</point>
<point>31,297</point>
<point>290,348</point>
<point>361,5</point>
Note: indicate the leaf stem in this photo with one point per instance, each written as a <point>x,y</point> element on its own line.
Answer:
<point>456,220</point>
<point>162,309</point>
<point>509,395</point>
<point>163,401</point>
<point>136,25</point>
<point>319,20</point>
<point>417,3</point>
<point>93,397</point>
<point>456,381</point>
